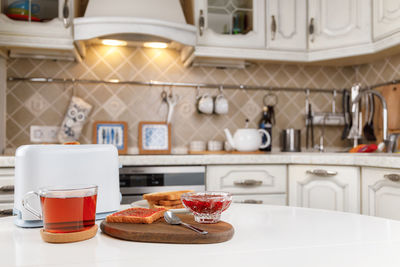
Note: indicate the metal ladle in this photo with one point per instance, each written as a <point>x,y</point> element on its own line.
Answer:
<point>173,219</point>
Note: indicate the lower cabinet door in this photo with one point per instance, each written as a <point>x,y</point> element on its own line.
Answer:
<point>6,209</point>
<point>381,192</point>
<point>273,199</point>
<point>325,187</point>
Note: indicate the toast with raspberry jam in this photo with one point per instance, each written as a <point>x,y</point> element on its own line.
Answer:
<point>136,215</point>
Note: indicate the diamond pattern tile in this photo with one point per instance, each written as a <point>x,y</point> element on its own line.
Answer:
<point>45,104</point>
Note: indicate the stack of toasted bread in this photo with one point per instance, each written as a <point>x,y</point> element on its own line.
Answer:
<point>166,200</point>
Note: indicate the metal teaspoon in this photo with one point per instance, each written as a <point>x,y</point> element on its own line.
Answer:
<point>173,219</point>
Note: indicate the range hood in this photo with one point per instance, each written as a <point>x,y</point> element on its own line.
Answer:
<point>135,21</point>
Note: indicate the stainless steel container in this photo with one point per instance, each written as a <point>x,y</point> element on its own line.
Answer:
<point>291,140</point>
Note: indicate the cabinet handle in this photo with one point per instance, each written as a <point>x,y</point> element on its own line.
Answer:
<point>273,27</point>
<point>66,18</point>
<point>394,177</point>
<point>201,23</point>
<point>250,201</point>
<point>311,30</point>
<point>248,183</point>
<point>7,188</point>
<point>6,212</point>
<point>321,172</point>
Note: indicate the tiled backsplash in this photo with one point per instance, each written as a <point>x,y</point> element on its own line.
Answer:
<point>380,71</point>
<point>46,103</point>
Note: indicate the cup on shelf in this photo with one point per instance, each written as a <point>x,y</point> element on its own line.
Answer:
<point>227,146</point>
<point>197,146</point>
<point>214,145</point>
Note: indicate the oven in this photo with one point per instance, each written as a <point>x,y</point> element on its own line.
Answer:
<point>135,181</point>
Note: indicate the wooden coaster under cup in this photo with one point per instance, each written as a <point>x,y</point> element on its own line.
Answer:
<point>69,237</point>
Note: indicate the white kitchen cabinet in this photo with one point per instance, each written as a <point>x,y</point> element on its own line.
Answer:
<point>386,18</point>
<point>270,199</point>
<point>325,187</point>
<point>50,38</point>
<point>262,184</point>
<point>381,192</point>
<point>6,191</point>
<point>286,24</point>
<point>230,23</point>
<point>339,23</point>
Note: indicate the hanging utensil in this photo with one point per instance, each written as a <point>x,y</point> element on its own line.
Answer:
<point>163,109</point>
<point>356,128</point>
<point>346,113</point>
<point>310,127</point>
<point>368,129</point>
<point>172,100</point>
<point>309,122</point>
<point>270,101</point>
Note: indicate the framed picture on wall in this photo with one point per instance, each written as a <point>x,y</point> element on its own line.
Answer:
<point>154,137</point>
<point>111,132</point>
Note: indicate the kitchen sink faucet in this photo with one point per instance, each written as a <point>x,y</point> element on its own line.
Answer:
<point>384,115</point>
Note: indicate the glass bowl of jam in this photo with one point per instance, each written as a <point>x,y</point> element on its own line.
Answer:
<point>207,206</point>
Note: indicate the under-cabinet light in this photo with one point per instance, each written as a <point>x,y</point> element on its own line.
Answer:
<point>113,42</point>
<point>155,45</point>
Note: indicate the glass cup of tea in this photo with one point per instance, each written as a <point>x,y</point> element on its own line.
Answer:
<point>65,209</point>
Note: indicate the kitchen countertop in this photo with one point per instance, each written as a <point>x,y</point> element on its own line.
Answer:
<point>264,236</point>
<point>355,159</point>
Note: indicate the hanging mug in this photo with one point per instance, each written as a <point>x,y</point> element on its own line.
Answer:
<point>205,104</point>
<point>221,105</point>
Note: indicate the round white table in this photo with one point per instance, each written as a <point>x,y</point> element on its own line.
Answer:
<point>264,236</point>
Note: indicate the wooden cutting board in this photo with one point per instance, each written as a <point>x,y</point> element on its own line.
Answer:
<point>161,232</point>
<point>391,93</point>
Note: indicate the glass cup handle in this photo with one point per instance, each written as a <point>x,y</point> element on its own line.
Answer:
<point>25,204</point>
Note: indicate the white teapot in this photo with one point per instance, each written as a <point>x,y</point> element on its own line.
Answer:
<point>247,139</point>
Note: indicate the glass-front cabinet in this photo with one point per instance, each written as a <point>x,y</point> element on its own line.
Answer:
<point>230,23</point>
<point>44,25</point>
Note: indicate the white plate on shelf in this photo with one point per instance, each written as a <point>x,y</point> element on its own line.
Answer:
<point>144,204</point>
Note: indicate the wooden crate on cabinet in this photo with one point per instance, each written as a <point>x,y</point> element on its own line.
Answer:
<point>257,184</point>
<point>325,187</point>
<point>381,192</point>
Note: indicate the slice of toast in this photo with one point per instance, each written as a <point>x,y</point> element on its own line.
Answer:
<point>169,202</point>
<point>136,215</point>
<point>171,195</point>
<point>156,206</point>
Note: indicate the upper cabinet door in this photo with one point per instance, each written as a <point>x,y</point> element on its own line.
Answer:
<point>286,24</point>
<point>230,23</point>
<point>338,23</point>
<point>386,18</point>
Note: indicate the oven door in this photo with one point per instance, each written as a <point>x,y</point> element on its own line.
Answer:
<point>136,181</point>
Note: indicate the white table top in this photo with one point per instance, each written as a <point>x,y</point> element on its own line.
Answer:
<point>264,236</point>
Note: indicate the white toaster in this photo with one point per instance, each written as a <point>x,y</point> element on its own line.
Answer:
<point>39,166</point>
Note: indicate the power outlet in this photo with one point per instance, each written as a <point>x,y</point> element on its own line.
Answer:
<point>44,134</point>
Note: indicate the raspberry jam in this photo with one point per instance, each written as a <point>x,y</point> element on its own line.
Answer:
<point>207,206</point>
<point>137,212</point>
